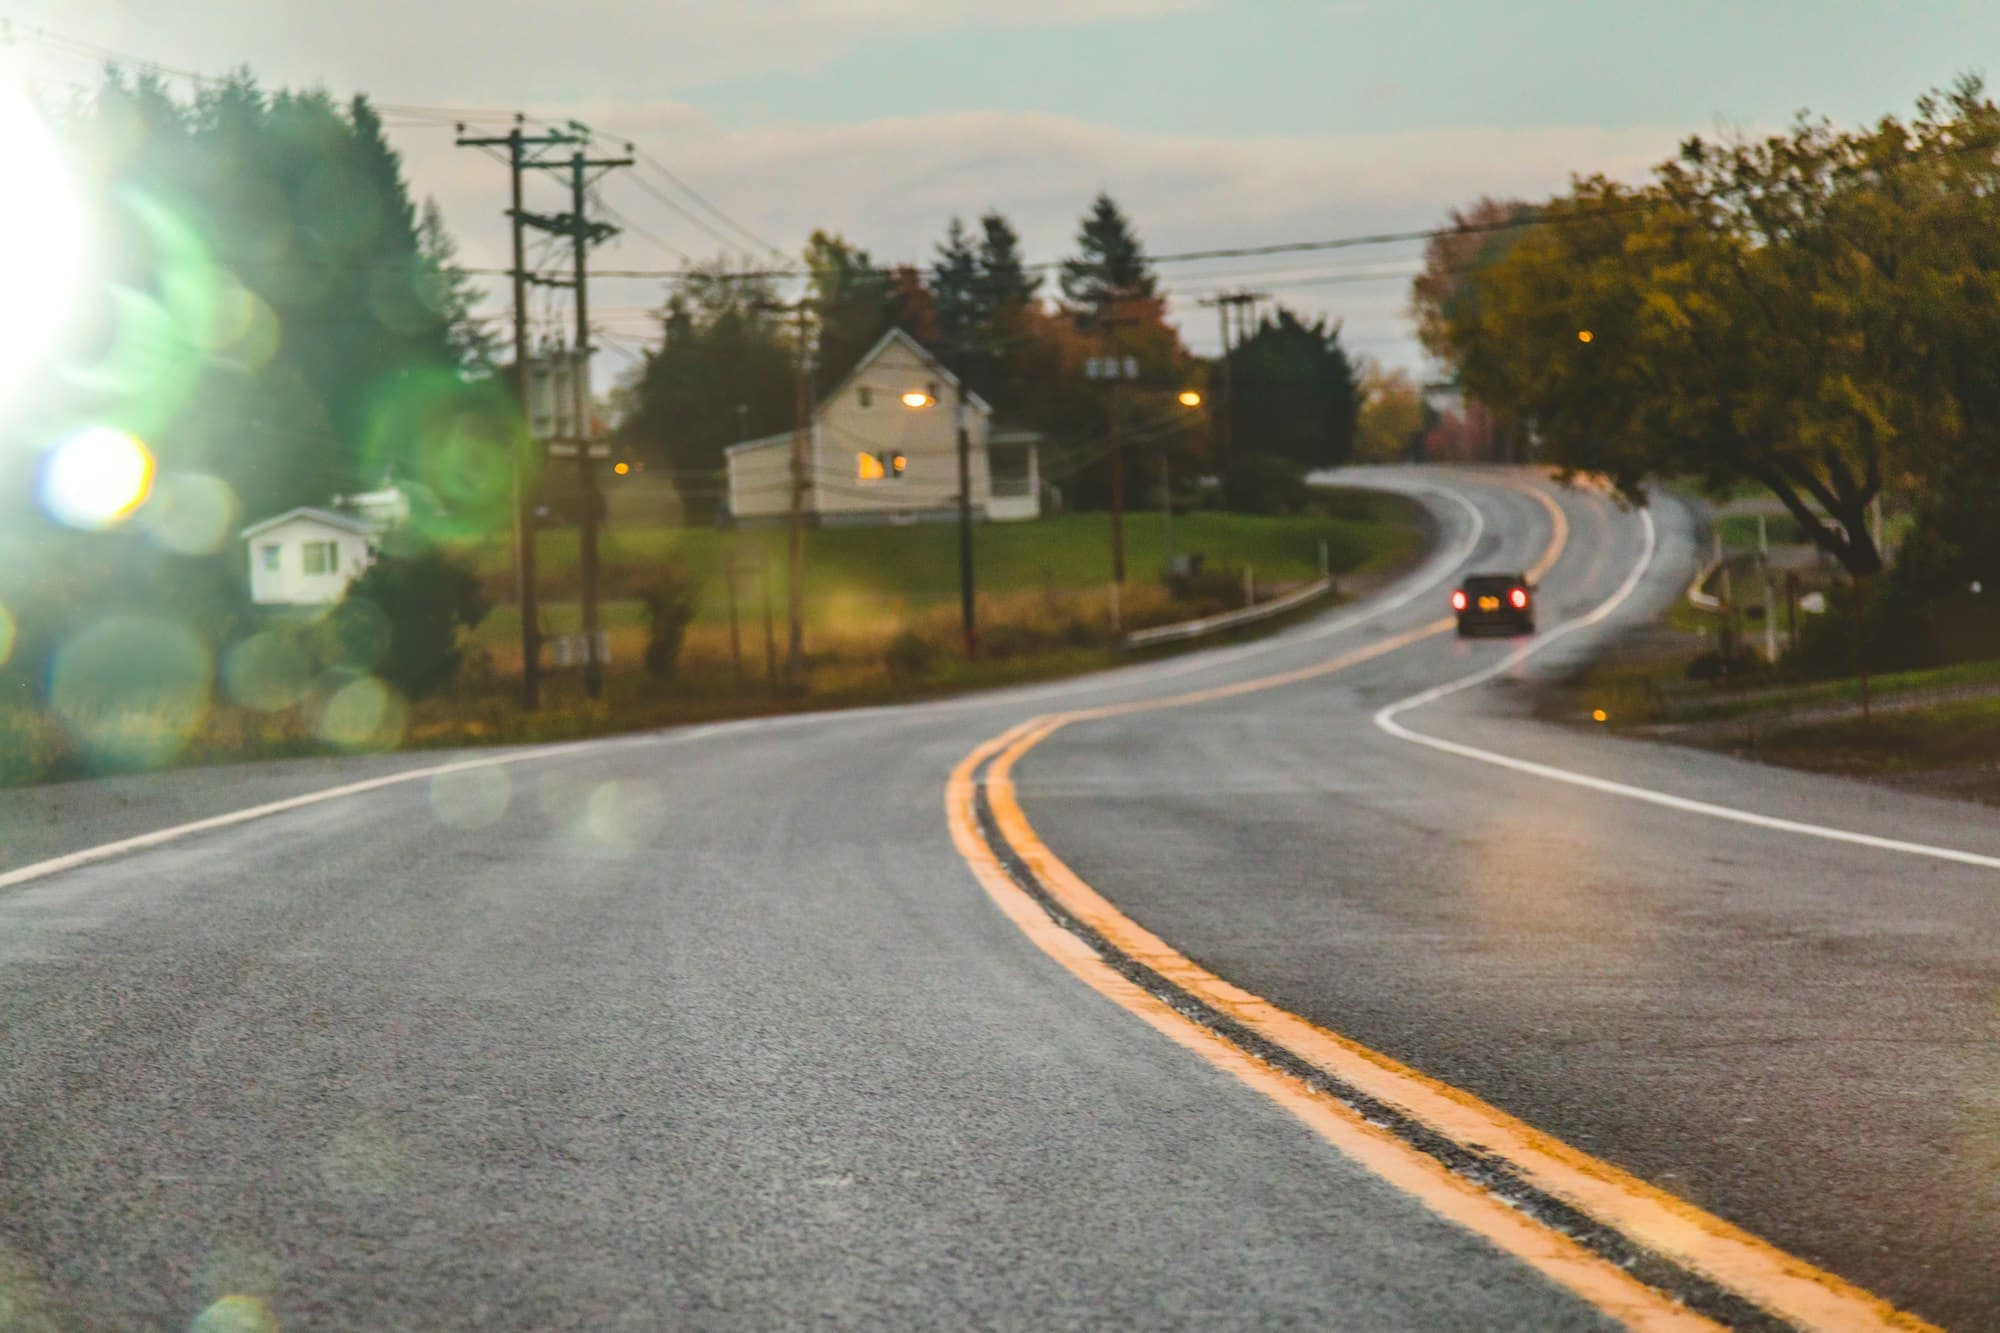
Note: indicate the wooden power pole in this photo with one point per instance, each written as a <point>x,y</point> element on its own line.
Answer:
<point>1223,410</point>
<point>517,145</point>
<point>795,589</point>
<point>584,233</point>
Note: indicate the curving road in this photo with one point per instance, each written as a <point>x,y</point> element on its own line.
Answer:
<point>759,1024</point>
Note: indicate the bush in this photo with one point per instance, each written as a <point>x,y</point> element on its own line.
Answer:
<point>1269,484</point>
<point>403,620</point>
<point>1896,634</point>
<point>670,605</point>
<point>910,655</point>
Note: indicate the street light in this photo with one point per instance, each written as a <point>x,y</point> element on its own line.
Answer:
<point>1190,398</point>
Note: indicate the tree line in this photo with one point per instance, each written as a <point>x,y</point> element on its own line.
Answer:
<point>1812,312</point>
<point>725,365</point>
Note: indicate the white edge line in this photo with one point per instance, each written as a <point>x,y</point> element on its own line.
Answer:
<point>1385,718</point>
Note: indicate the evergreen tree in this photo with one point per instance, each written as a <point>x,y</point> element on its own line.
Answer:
<point>853,303</point>
<point>1295,396</point>
<point>1004,281</point>
<point>1111,267</point>
<point>957,291</point>
<point>448,292</point>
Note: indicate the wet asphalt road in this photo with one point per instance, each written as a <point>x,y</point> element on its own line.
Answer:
<point>713,1027</point>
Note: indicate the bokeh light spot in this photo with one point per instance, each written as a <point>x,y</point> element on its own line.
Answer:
<point>95,477</point>
<point>131,688</point>
<point>268,671</point>
<point>363,714</point>
<point>355,634</point>
<point>471,798</point>
<point>235,1313</point>
<point>191,512</point>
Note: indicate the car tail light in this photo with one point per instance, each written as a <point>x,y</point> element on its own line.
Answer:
<point>1458,600</point>
<point>1519,597</point>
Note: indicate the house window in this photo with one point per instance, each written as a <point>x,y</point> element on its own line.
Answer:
<point>267,556</point>
<point>880,467</point>
<point>865,396</point>
<point>321,557</point>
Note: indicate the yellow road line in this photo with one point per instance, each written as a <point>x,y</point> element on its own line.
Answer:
<point>1601,1283</point>
<point>1726,1255</point>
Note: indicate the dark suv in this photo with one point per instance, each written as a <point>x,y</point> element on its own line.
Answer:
<point>1505,602</point>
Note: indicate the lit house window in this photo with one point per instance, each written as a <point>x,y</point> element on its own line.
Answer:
<point>321,557</point>
<point>880,467</point>
<point>268,555</point>
<point>865,396</point>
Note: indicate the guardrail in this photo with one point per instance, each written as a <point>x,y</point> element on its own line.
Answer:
<point>1228,620</point>
<point>1696,597</point>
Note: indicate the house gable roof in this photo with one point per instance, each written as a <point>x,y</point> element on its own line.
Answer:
<point>345,522</point>
<point>894,337</point>
<point>890,339</point>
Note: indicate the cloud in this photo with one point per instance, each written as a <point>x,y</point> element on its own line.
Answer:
<point>447,51</point>
<point>891,184</point>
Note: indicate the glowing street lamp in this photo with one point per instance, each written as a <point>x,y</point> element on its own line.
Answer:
<point>1190,398</point>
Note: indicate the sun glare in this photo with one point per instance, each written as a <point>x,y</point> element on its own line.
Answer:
<point>40,245</point>
<point>95,478</point>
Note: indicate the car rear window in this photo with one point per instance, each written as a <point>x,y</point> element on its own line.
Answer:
<point>1479,583</point>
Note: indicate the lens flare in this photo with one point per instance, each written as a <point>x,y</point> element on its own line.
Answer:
<point>235,1313</point>
<point>132,689</point>
<point>96,477</point>
<point>43,247</point>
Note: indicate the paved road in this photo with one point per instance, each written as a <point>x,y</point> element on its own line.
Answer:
<point>717,1027</point>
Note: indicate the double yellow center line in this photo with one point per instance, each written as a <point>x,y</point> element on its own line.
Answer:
<point>1633,1251</point>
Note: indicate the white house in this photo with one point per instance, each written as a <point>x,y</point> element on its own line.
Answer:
<point>883,447</point>
<point>307,556</point>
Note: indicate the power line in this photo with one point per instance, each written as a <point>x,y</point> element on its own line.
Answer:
<point>662,198</point>
<point>694,194</point>
<point>604,207</point>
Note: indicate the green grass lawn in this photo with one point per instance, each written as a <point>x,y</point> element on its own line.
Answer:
<point>874,571</point>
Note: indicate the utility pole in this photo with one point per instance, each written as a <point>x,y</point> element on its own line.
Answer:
<point>517,145</point>
<point>1112,367</point>
<point>583,234</point>
<point>795,591</point>
<point>967,610</point>
<point>1224,409</point>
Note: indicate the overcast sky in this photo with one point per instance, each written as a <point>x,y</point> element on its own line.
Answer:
<point>1214,124</point>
